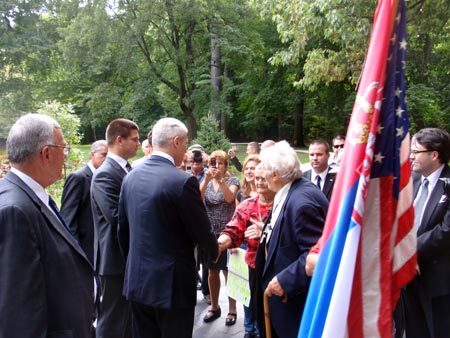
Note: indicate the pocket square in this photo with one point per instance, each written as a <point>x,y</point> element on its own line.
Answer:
<point>443,199</point>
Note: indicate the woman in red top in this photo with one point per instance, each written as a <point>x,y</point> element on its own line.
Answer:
<point>247,222</point>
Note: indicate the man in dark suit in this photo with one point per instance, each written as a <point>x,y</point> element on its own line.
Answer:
<point>76,199</point>
<point>161,218</point>
<point>122,136</point>
<point>426,299</point>
<point>46,280</point>
<point>297,221</point>
<point>320,173</point>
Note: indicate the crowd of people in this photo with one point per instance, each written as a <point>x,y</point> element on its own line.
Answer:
<point>126,248</point>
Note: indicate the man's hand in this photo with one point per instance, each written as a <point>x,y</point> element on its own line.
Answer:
<point>274,288</point>
<point>231,153</point>
<point>311,261</point>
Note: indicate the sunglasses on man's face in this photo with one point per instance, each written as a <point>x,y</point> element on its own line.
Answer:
<point>338,146</point>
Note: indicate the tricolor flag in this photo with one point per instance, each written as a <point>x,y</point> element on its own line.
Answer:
<point>368,249</point>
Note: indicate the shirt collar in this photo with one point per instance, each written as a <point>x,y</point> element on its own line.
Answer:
<point>165,155</point>
<point>32,184</point>
<point>433,177</point>
<point>120,160</point>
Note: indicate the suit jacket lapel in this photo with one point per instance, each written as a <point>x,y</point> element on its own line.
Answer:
<point>275,235</point>
<point>433,200</point>
<point>329,181</point>
<point>51,217</point>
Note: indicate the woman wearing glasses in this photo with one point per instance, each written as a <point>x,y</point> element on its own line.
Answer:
<point>338,148</point>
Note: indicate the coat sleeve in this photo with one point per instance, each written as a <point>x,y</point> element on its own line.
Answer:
<point>123,227</point>
<point>197,224</point>
<point>70,202</point>
<point>105,192</point>
<point>23,306</point>
<point>436,241</point>
<point>307,222</point>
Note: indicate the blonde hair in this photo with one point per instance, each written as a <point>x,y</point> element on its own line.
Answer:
<point>220,155</point>
<point>245,186</point>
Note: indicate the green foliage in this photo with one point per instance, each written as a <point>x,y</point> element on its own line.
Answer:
<point>210,137</point>
<point>143,59</point>
<point>424,108</point>
<point>70,124</point>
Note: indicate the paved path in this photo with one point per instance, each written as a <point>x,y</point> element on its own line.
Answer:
<point>217,328</point>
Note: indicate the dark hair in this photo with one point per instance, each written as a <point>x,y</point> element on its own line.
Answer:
<point>119,127</point>
<point>339,137</point>
<point>149,137</point>
<point>321,141</point>
<point>198,157</point>
<point>435,139</point>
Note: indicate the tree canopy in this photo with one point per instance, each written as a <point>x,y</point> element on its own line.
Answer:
<point>279,69</point>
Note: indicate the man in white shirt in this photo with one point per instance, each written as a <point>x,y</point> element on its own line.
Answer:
<point>320,173</point>
<point>47,281</point>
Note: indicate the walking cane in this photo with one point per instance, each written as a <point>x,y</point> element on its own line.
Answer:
<point>267,316</point>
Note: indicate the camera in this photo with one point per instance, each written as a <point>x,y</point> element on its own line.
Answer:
<point>212,162</point>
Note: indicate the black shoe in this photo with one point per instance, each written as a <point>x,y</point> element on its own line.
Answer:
<point>212,315</point>
<point>249,335</point>
<point>231,318</point>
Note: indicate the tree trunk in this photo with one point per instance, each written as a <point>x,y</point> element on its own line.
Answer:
<point>298,139</point>
<point>215,78</point>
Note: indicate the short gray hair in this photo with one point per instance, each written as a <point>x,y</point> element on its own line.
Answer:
<point>165,130</point>
<point>28,135</point>
<point>97,145</point>
<point>283,158</point>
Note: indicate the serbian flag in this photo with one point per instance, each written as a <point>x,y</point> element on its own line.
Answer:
<point>368,248</point>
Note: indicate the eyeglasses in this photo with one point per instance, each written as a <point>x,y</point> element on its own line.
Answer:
<point>338,146</point>
<point>415,152</point>
<point>66,148</point>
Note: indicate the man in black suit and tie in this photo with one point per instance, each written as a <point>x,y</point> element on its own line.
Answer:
<point>46,280</point>
<point>426,299</point>
<point>161,219</point>
<point>122,136</point>
<point>319,174</point>
<point>76,199</point>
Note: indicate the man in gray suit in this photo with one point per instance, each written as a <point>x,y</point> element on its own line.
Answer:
<point>76,199</point>
<point>161,219</point>
<point>46,280</point>
<point>122,136</point>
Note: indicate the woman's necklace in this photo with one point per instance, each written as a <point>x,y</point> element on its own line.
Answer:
<point>267,204</point>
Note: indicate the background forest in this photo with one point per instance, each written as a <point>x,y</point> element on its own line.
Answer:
<point>280,69</point>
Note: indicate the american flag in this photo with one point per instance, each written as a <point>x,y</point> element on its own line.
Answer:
<point>368,249</point>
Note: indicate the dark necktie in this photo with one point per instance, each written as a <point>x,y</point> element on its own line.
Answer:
<point>128,167</point>
<point>55,209</point>
<point>318,179</point>
<point>420,203</point>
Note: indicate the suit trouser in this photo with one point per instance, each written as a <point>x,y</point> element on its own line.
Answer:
<point>151,322</point>
<point>114,319</point>
<point>425,316</point>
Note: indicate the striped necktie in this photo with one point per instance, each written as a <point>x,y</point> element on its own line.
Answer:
<point>420,203</point>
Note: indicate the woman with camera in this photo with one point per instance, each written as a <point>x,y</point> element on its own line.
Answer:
<point>219,193</point>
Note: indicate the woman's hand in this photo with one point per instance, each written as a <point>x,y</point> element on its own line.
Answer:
<point>254,231</point>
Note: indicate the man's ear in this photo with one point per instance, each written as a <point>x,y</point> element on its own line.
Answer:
<point>176,141</point>
<point>44,154</point>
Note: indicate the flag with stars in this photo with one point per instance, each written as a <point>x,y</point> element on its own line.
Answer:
<point>368,249</point>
